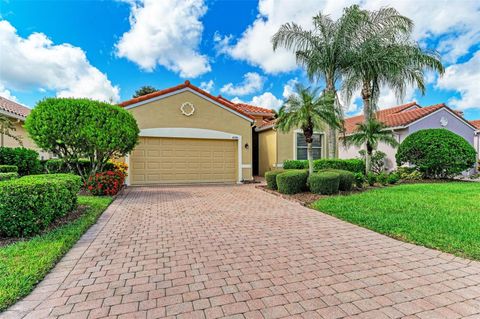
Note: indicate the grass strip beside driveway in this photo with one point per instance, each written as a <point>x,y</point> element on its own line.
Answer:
<point>25,263</point>
<point>443,216</point>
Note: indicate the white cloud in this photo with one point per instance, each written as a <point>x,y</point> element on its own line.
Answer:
<point>207,86</point>
<point>252,82</point>
<point>166,33</point>
<point>456,24</point>
<point>35,62</point>
<point>266,100</point>
<point>7,94</point>
<point>289,88</point>
<point>463,78</point>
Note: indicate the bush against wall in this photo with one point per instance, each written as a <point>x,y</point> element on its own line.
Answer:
<point>325,183</point>
<point>76,129</point>
<point>271,178</point>
<point>437,153</point>
<point>352,165</point>
<point>30,204</point>
<point>26,160</point>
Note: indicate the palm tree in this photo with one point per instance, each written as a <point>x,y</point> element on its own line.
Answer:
<point>326,51</point>
<point>6,129</point>
<point>370,133</point>
<point>387,58</point>
<point>308,110</point>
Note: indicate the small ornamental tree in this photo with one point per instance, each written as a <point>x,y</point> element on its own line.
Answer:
<point>75,129</point>
<point>437,153</point>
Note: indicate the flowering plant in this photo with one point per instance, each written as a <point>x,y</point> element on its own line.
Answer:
<point>121,167</point>
<point>105,183</point>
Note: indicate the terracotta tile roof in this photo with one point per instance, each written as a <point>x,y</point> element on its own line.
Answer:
<point>476,123</point>
<point>187,84</point>
<point>257,110</point>
<point>13,108</point>
<point>396,116</point>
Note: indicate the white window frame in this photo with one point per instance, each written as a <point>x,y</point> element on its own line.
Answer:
<point>322,142</point>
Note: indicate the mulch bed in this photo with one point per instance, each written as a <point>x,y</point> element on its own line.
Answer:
<point>72,216</point>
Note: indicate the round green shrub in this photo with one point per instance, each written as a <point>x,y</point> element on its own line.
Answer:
<point>393,178</point>
<point>360,179</point>
<point>346,179</point>
<point>382,178</point>
<point>325,183</point>
<point>271,178</point>
<point>26,160</point>
<point>292,181</point>
<point>437,153</point>
<point>371,178</point>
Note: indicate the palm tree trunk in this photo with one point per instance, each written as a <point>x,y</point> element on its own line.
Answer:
<point>368,158</point>
<point>366,95</point>
<point>310,158</point>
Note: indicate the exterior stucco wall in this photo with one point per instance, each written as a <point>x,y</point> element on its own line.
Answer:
<point>166,113</point>
<point>346,152</point>
<point>454,124</point>
<point>267,151</point>
<point>26,141</point>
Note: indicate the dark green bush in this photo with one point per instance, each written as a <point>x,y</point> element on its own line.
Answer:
<point>8,169</point>
<point>352,165</point>
<point>292,181</point>
<point>382,178</point>
<point>271,178</point>
<point>346,179</point>
<point>30,204</point>
<point>25,159</point>
<point>393,178</point>
<point>56,166</point>
<point>437,153</point>
<point>8,176</point>
<point>325,182</point>
<point>360,179</point>
<point>371,178</point>
<point>295,164</point>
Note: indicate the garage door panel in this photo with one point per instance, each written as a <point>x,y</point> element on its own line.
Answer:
<point>176,160</point>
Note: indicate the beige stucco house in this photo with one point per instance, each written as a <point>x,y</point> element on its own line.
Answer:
<point>17,114</point>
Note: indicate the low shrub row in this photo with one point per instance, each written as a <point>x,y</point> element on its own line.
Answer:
<point>292,181</point>
<point>352,165</point>
<point>271,178</point>
<point>26,160</point>
<point>31,203</point>
<point>8,169</point>
<point>326,183</point>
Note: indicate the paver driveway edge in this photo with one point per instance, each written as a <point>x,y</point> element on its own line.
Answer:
<point>47,287</point>
<point>239,252</point>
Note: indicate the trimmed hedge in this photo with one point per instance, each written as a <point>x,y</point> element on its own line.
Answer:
<point>30,204</point>
<point>8,169</point>
<point>271,178</point>
<point>58,166</point>
<point>325,183</point>
<point>292,181</point>
<point>8,176</point>
<point>25,159</point>
<point>347,179</point>
<point>352,165</point>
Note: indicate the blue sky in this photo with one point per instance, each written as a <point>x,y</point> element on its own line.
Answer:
<point>108,49</point>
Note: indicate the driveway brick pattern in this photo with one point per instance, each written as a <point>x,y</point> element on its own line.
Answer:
<point>239,252</point>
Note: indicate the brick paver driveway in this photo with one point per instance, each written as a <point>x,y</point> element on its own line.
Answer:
<point>238,252</point>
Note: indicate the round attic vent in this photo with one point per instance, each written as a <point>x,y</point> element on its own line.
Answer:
<point>187,109</point>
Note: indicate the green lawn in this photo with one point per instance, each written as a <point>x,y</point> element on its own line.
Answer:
<point>24,264</point>
<point>444,216</point>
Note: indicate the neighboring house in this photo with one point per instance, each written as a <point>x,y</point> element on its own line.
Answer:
<point>405,119</point>
<point>17,114</point>
<point>190,136</point>
<point>476,123</point>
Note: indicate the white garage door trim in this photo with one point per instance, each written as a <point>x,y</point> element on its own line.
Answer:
<point>185,132</point>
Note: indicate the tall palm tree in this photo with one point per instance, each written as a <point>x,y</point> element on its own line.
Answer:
<point>370,133</point>
<point>308,110</point>
<point>387,58</point>
<point>326,51</point>
<point>6,129</point>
